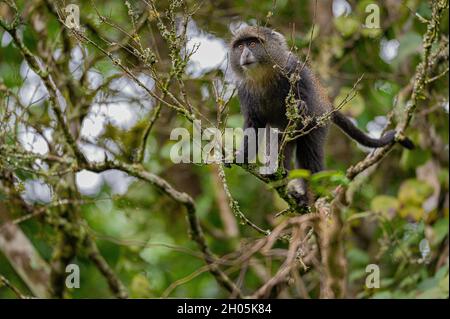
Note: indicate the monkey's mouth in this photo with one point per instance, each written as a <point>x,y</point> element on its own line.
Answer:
<point>248,64</point>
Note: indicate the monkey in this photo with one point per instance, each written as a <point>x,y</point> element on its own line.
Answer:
<point>262,65</point>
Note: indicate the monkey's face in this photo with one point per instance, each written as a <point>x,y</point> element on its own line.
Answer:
<point>249,57</point>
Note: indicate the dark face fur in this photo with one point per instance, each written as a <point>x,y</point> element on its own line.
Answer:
<point>255,51</point>
<point>249,54</point>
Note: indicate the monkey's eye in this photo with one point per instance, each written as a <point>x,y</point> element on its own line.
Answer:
<point>240,46</point>
<point>253,44</point>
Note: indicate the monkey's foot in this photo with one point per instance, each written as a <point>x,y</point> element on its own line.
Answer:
<point>296,190</point>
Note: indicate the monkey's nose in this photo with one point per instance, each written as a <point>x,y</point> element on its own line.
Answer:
<point>247,57</point>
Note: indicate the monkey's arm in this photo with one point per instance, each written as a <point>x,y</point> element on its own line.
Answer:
<point>351,130</point>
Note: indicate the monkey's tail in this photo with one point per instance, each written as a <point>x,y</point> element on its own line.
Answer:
<point>351,130</point>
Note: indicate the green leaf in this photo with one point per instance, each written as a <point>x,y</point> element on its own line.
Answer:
<point>382,295</point>
<point>326,175</point>
<point>324,182</point>
<point>384,204</point>
<point>412,211</point>
<point>440,230</point>
<point>140,287</point>
<point>358,257</point>
<point>347,26</point>
<point>413,158</point>
<point>414,192</point>
<point>23,175</point>
<point>10,74</point>
<point>435,287</point>
<point>410,43</point>
<point>371,32</point>
<point>299,173</point>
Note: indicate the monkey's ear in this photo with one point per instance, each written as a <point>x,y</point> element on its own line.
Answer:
<point>235,26</point>
<point>280,37</point>
<point>278,34</point>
